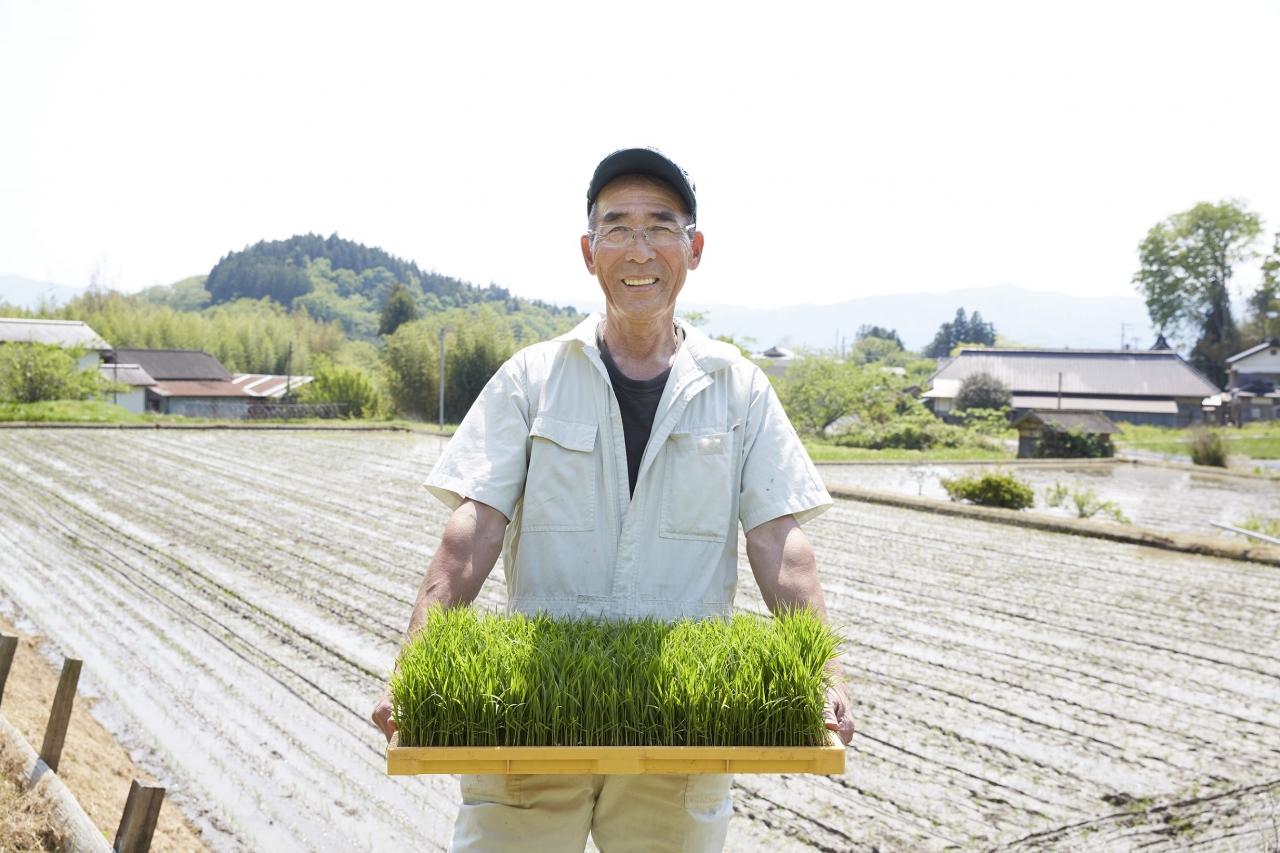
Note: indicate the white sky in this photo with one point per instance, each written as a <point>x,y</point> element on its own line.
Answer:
<point>840,150</point>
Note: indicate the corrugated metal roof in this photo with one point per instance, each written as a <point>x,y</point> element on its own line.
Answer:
<point>269,384</point>
<point>1127,373</point>
<point>198,388</point>
<point>1094,423</point>
<point>175,364</point>
<point>66,333</point>
<point>129,374</point>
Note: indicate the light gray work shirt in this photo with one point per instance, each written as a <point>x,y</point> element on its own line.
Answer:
<point>543,445</point>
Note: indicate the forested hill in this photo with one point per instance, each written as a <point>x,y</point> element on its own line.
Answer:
<point>277,269</point>
<point>346,282</point>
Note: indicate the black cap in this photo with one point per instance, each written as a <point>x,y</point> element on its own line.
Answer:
<point>643,161</point>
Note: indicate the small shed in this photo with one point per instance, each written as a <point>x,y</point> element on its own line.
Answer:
<point>1039,425</point>
<point>134,398</point>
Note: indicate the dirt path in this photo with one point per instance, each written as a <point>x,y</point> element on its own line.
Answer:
<point>96,769</point>
<point>239,596</point>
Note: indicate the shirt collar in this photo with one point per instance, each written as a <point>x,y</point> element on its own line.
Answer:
<point>708,355</point>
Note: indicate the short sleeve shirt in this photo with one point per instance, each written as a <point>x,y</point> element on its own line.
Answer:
<point>544,445</point>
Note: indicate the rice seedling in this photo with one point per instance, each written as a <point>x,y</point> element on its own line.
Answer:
<point>482,679</point>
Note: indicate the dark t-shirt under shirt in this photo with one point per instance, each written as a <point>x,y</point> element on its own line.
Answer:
<point>638,402</point>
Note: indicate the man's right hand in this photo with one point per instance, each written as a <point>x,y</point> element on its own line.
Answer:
<point>382,715</point>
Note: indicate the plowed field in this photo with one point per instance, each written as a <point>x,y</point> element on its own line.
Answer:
<point>237,598</point>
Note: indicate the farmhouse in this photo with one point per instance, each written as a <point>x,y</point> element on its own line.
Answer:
<point>187,382</point>
<point>64,333</point>
<point>1139,386</point>
<point>1251,393</point>
<point>134,399</point>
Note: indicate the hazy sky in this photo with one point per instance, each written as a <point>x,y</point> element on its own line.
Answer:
<point>840,150</point>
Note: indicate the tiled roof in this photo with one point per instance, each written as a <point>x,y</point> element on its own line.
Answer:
<point>67,333</point>
<point>198,388</point>
<point>1054,420</point>
<point>1125,373</point>
<point>181,364</point>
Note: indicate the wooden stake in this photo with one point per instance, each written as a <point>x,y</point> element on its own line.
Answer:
<point>55,734</point>
<point>138,823</point>
<point>8,646</point>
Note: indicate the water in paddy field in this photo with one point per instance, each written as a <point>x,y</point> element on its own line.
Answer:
<point>1159,498</point>
<point>238,597</point>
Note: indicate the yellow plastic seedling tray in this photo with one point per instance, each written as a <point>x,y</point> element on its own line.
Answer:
<point>615,760</point>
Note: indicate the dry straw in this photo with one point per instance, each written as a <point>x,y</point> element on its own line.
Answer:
<point>473,679</point>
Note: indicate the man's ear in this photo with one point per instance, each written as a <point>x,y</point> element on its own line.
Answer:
<point>695,250</point>
<point>587,257</point>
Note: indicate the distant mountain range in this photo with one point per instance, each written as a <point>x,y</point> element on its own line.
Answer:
<point>1026,316</point>
<point>27,293</point>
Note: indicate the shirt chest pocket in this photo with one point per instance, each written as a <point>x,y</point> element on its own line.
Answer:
<point>699,484</point>
<point>560,489</point>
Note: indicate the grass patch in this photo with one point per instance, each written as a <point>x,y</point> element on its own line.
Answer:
<point>1255,440</point>
<point>473,679</point>
<point>823,452</point>
<point>100,412</point>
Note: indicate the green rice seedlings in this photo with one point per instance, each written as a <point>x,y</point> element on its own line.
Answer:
<point>480,679</point>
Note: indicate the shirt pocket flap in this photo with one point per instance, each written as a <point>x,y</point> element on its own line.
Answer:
<point>571,435</point>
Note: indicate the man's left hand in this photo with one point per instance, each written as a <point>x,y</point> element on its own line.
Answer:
<point>837,713</point>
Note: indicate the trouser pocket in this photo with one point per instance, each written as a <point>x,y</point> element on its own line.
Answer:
<point>491,788</point>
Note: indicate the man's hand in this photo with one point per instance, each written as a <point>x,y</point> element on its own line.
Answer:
<point>382,715</point>
<point>839,717</point>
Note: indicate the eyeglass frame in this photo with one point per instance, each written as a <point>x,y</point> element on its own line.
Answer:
<point>687,231</point>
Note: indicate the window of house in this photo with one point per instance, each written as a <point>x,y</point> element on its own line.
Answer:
<point>1255,412</point>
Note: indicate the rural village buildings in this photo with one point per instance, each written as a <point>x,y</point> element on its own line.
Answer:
<point>1139,386</point>
<point>195,384</point>
<point>64,333</point>
<point>1251,393</point>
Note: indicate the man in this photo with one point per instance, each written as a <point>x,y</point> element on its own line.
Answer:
<point>611,467</point>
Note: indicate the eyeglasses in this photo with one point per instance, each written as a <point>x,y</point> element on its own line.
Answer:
<point>621,236</point>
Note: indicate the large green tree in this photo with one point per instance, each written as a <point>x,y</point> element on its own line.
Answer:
<point>398,309</point>
<point>1187,262</point>
<point>961,330</point>
<point>1264,305</point>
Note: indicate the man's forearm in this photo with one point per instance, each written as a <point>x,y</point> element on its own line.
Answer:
<point>784,567</point>
<point>468,551</point>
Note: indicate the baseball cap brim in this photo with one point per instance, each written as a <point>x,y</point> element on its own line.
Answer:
<point>642,161</point>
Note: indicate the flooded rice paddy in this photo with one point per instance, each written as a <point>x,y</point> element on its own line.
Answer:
<point>1172,499</point>
<point>237,598</point>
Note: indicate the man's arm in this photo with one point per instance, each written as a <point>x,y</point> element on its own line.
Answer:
<point>782,561</point>
<point>468,550</point>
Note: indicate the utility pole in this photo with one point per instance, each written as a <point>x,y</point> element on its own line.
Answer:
<point>288,381</point>
<point>442,378</point>
<point>1059,391</point>
<point>1122,346</point>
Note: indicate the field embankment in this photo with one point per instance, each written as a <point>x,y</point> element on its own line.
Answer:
<point>95,768</point>
<point>240,595</point>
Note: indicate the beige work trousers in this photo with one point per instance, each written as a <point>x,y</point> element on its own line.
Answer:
<point>623,814</point>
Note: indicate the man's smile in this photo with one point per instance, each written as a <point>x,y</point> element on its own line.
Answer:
<point>638,282</point>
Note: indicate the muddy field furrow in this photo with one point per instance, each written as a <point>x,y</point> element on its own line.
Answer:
<point>237,596</point>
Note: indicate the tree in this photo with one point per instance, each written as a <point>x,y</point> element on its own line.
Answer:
<point>961,330</point>
<point>865,331</point>
<point>982,391</point>
<point>1186,265</point>
<point>32,372</point>
<point>817,392</point>
<point>349,385</point>
<point>397,310</point>
<point>1263,321</point>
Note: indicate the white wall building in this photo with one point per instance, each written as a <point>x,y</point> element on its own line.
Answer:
<point>64,333</point>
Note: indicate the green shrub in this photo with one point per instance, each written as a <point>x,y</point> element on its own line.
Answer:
<point>471,679</point>
<point>1084,500</point>
<point>991,488</point>
<point>32,372</point>
<point>1075,443</point>
<point>987,421</point>
<point>982,391</point>
<point>1208,447</point>
<point>349,385</point>
<point>911,433</point>
<point>1258,524</point>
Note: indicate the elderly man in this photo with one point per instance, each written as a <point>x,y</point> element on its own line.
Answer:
<point>612,467</point>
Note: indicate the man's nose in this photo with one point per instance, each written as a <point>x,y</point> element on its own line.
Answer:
<point>640,250</point>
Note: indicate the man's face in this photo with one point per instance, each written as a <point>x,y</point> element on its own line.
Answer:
<point>640,282</point>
